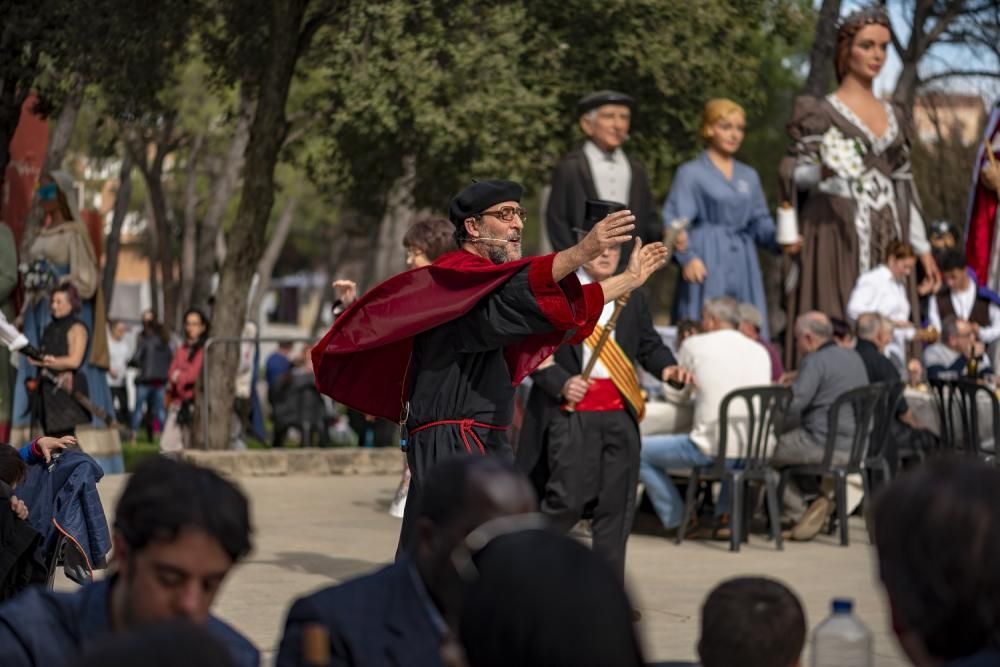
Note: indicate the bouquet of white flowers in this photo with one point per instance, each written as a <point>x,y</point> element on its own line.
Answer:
<point>843,156</point>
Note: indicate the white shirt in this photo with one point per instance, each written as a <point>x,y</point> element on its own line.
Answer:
<point>118,352</point>
<point>962,302</point>
<point>611,171</point>
<point>722,361</point>
<point>599,372</point>
<point>878,292</point>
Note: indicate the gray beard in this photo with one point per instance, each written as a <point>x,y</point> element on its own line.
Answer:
<point>496,253</point>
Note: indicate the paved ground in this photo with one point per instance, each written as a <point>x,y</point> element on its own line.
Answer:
<point>315,531</point>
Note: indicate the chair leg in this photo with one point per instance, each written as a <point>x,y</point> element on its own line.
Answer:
<point>689,498</point>
<point>841,483</point>
<point>736,512</point>
<point>773,510</point>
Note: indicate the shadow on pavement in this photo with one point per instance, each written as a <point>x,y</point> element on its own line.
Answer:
<point>336,569</point>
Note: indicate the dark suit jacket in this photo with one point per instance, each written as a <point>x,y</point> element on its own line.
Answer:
<point>639,341</point>
<point>377,620</point>
<point>573,185</point>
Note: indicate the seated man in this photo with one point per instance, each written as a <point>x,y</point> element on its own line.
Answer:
<point>962,298</point>
<point>937,535</point>
<point>751,621</point>
<point>178,531</point>
<point>750,323</point>
<point>721,360</point>
<point>404,613</point>
<point>874,335</point>
<point>953,356</point>
<point>827,371</point>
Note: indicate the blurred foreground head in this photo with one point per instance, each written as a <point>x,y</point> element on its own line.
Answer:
<point>178,530</point>
<point>538,599</point>
<point>937,533</point>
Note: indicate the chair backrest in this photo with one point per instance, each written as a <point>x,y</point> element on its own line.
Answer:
<point>763,404</point>
<point>944,394</point>
<point>885,413</point>
<point>862,402</point>
<point>967,396</point>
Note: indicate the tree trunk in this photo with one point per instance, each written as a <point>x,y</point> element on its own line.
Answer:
<point>267,134</point>
<point>165,252</point>
<point>389,258</point>
<point>152,255</point>
<point>222,193</point>
<point>113,242</point>
<point>906,86</point>
<point>54,156</point>
<point>823,51</point>
<point>189,240</point>
<point>265,267</point>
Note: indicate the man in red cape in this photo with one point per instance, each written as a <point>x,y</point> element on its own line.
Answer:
<point>440,349</point>
<point>980,231</point>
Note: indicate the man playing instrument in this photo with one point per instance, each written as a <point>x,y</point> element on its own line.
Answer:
<point>441,348</point>
<point>580,439</point>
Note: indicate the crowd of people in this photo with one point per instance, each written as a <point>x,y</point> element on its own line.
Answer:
<point>485,573</point>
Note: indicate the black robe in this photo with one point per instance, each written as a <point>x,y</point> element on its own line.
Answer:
<point>460,373</point>
<point>573,185</point>
<point>574,459</point>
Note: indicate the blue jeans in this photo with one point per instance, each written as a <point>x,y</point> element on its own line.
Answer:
<point>148,397</point>
<point>662,452</point>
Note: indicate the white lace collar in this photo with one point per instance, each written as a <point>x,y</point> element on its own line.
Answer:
<point>878,144</point>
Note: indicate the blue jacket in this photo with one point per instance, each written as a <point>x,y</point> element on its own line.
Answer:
<point>380,620</point>
<point>40,627</point>
<point>62,499</point>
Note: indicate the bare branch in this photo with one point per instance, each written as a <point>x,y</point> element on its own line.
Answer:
<point>937,76</point>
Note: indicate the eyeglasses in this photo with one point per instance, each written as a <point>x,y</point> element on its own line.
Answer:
<point>507,213</point>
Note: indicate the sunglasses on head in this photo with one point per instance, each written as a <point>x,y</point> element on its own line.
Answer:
<point>48,192</point>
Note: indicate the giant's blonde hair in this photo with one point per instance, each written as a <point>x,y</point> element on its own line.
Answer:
<point>716,110</point>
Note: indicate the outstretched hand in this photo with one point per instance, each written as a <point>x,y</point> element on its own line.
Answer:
<point>610,232</point>
<point>646,260</point>
<point>49,444</point>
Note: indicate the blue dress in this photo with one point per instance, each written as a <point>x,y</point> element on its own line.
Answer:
<point>728,218</point>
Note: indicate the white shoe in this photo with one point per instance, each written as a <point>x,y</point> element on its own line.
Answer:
<point>398,505</point>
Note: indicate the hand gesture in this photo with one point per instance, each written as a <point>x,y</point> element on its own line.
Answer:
<point>645,261</point>
<point>794,248</point>
<point>19,508</point>
<point>678,375</point>
<point>681,242</point>
<point>48,444</point>
<point>608,233</point>
<point>694,271</point>
<point>345,291</point>
<point>575,389</point>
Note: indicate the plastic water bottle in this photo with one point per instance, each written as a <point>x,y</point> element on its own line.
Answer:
<point>842,640</point>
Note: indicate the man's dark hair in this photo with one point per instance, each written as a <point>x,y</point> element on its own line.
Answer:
<point>544,600</point>
<point>158,645</point>
<point>952,259</point>
<point>841,328</point>
<point>937,534</point>
<point>752,622</point>
<point>165,497</point>
<point>445,491</point>
<point>433,236</point>
<point>12,469</point>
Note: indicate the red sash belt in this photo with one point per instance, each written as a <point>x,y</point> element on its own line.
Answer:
<point>466,426</point>
<point>601,396</point>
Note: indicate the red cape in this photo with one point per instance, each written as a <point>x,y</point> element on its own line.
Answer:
<point>364,360</point>
<point>980,224</point>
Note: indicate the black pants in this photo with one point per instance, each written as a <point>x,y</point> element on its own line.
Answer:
<point>428,448</point>
<point>119,397</point>
<point>593,460</point>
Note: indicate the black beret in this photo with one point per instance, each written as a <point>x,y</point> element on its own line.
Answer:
<point>602,97</point>
<point>480,196</point>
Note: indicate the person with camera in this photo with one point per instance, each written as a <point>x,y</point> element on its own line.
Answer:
<point>181,380</point>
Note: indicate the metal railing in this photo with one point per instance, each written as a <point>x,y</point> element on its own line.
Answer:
<point>206,379</point>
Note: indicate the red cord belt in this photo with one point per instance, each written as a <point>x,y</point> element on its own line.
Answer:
<point>466,426</point>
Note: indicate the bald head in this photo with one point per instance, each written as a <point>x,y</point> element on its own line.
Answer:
<point>812,331</point>
<point>875,328</point>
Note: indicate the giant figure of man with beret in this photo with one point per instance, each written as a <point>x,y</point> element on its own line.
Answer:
<point>440,349</point>
<point>600,169</point>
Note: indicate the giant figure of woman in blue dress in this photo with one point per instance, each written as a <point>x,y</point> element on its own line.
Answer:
<point>64,253</point>
<point>722,200</point>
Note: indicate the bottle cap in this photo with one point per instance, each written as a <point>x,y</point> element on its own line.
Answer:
<point>843,605</point>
